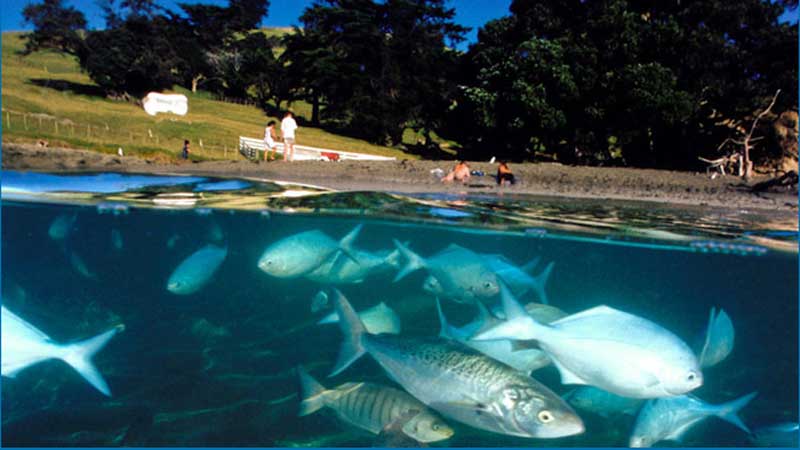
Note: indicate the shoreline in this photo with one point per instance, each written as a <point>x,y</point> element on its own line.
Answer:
<point>407,176</point>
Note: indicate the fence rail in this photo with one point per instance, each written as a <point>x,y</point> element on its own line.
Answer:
<point>45,126</point>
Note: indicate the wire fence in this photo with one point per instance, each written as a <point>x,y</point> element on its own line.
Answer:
<point>45,126</point>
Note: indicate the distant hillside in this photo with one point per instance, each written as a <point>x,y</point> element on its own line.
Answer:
<point>46,96</point>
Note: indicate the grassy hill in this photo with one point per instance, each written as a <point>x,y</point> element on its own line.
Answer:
<point>46,96</point>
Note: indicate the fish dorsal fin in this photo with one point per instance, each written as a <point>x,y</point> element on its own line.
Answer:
<point>346,244</point>
<point>512,308</point>
<point>530,265</point>
<point>601,310</point>
<point>483,314</point>
<point>444,332</point>
<point>567,376</point>
<point>454,247</point>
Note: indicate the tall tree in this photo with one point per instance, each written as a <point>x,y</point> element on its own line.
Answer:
<point>56,26</point>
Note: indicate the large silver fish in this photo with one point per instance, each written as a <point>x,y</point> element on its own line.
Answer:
<point>61,227</point>
<point>196,270</point>
<point>456,273</point>
<point>668,419</point>
<point>373,407</point>
<point>525,360</point>
<point>23,345</point>
<point>341,269</point>
<point>607,348</point>
<point>301,253</point>
<point>460,383</point>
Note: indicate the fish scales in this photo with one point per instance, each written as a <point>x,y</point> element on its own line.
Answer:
<point>371,406</point>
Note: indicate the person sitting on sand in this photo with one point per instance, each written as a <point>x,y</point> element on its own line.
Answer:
<point>459,173</point>
<point>504,174</point>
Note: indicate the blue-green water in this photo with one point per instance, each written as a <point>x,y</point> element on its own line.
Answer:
<point>217,367</point>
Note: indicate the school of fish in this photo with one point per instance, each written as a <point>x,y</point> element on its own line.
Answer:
<point>481,374</point>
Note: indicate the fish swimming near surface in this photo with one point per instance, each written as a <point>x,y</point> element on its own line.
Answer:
<point>341,269</point>
<point>378,319</point>
<point>668,419</point>
<point>116,239</point>
<point>719,339</point>
<point>602,403</point>
<point>458,382</point>
<point>79,265</point>
<point>455,273</point>
<point>519,279</point>
<point>607,348</point>
<point>196,270</point>
<point>525,360</point>
<point>779,435</point>
<point>373,407</point>
<point>23,345</point>
<point>61,226</point>
<point>301,253</point>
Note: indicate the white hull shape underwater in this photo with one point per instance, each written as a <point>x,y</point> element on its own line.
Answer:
<point>459,382</point>
<point>23,345</point>
<point>619,352</point>
<point>374,408</point>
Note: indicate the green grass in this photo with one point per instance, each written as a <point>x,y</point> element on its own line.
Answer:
<point>65,95</point>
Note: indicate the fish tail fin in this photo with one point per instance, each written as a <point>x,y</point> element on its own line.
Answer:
<point>519,325</point>
<point>483,313</point>
<point>79,356</point>
<point>313,393</point>
<point>719,340</point>
<point>346,244</point>
<point>444,331</point>
<point>414,261</point>
<point>730,411</point>
<point>530,265</point>
<point>541,281</point>
<point>393,258</point>
<point>353,330</point>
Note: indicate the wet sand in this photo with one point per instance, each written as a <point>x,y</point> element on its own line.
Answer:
<point>544,179</point>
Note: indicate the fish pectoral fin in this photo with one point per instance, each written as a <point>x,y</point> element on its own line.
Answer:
<point>399,432</point>
<point>518,346</point>
<point>404,422</point>
<point>567,376</point>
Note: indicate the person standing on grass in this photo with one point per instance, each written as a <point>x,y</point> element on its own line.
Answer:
<point>185,152</point>
<point>269,141</point>
<point>288,126</point>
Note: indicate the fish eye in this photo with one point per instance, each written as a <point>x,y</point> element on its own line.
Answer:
<point>691,377</point>
<point>435,427</point>
<point>487,285</point>
<point>545,416</point>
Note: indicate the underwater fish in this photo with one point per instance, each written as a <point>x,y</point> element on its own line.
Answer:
<point>459,382</point>
<point>196,270</point>
<point>378,319</point>
<point>524,360</point>
<point>172,241</point>
<point>372,407</point>
<point>719,338</point>
<point>79,265</point>
<point>24,345</point>
<point>458,274</point>
<point>607,348</point>
<point>602,403</point>
<point>343,270</point>
<point>392,435</point>
<point>519,279</point>
<point>779,435</point>
<point>319,302</point>
<point>539,311</point>
<point>301,253</point>
<point>61,226</point>
<point>668,419</point>
<point>116,239</point>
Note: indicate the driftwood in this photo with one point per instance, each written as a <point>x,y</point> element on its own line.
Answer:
<point>787,180</point>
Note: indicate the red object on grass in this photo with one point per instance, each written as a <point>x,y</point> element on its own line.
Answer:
<point>331,156</point>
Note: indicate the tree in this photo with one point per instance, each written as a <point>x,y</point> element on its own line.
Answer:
<point>376,67</point>
<point>55,27</point>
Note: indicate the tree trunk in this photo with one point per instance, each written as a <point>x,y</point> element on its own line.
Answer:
<point>195,81</point>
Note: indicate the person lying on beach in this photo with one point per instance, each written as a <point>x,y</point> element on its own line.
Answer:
<point>459,173</point>
<point>504,175</point>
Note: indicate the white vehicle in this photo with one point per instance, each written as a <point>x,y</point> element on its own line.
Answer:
<point>155,103</point>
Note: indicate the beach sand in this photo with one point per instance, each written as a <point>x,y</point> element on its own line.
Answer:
<point>542,179</point>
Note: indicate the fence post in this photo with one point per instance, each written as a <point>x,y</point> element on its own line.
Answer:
<point>226,150</point>
<point>40,121</point>
<point>88,131</point>
<point>25,121</point>
<point>8,119</point>
<point>55,122</point>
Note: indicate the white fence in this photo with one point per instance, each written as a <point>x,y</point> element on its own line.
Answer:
<point>249,147</point>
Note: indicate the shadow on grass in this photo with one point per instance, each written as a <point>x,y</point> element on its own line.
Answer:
<point>69,86</point>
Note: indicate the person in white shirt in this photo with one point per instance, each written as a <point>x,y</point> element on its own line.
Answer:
<point>288,126</point>
<point>269,141</point>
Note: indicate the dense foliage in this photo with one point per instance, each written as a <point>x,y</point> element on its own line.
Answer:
<point>641,83</point>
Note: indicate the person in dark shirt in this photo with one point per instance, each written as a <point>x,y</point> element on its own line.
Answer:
<point>504,175</point>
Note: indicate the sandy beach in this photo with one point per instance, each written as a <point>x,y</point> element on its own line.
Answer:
<point>547,179</point>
